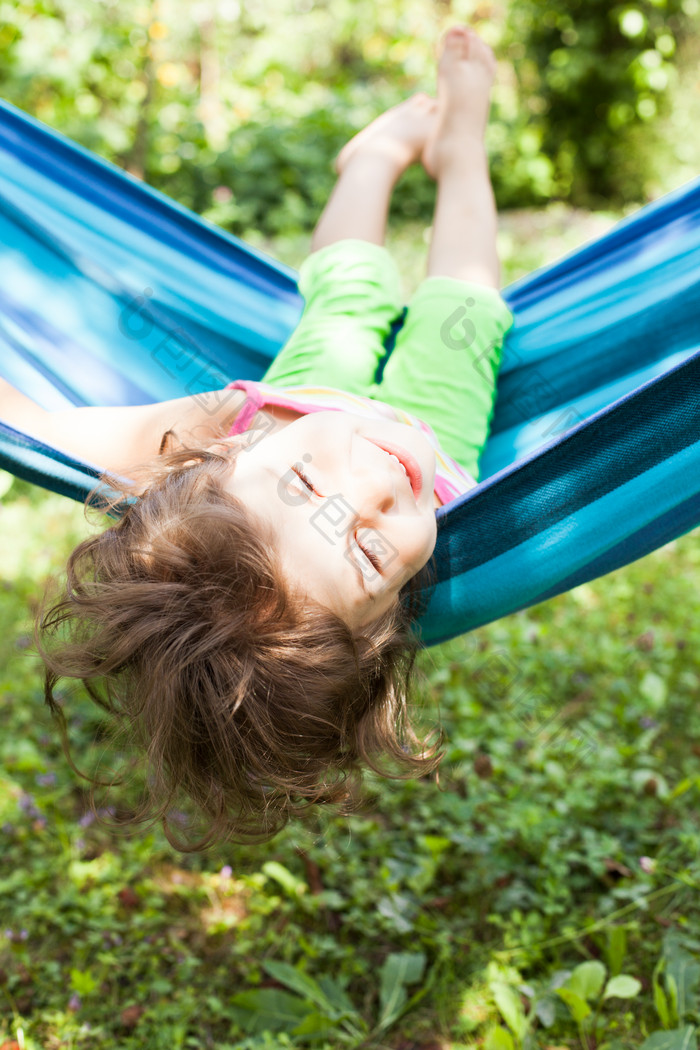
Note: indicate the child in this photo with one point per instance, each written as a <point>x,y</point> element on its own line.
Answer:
<point>246,620</point>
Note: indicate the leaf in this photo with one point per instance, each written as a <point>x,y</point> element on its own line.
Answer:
<point>660,1001</point>
<point>617,948</point>
<point>558,979</point>
<point>653,689</point>
<point>399,969</point>
<point>683,969</point>
<point>672,989</point>
<point>661,1004</point>
<point>274,870</point>
<point>508,1002</point>
<point>22,755</point>
<point>395,908</point>
<point>304,984</point>
<point>338,996</point>
<point>682,786</point>
<point>315,1025</point>
<point>269,1009</point>
<point>545,1012</point>
<point>622,987</point>
<point>498,1039</point>
<point>587,979</point>
<point>435,844</point>
<point>578,1007</point>
<point>82,982</point>
<point>675,1039</point>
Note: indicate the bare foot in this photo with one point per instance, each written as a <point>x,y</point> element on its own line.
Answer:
<point>465,73</point>
<point>399,135</point>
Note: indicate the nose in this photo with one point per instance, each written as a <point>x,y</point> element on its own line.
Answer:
<point>374,487</point>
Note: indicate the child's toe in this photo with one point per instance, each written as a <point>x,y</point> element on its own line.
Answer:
<point>456,42</point>
<point>423,102</point>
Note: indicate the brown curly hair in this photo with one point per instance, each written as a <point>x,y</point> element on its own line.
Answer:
<point>242,696</point>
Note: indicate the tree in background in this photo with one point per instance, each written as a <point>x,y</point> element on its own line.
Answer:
<point>592,74</point>
<point>236,110</point>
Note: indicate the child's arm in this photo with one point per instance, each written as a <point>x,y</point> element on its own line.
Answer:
<point>116,438</point>
<point>19,411</point>
<point>111,438</point>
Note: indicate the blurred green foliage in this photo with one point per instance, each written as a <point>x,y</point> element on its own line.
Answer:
<point>236,110</point>
<point>591,72</point>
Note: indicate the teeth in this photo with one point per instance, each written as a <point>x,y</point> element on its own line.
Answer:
<point>399,463</point>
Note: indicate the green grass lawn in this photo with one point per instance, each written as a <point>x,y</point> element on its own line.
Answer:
<point>543,894</point>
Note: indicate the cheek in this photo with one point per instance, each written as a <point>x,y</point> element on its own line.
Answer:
<point>430,541</point>
<point>420,544</point>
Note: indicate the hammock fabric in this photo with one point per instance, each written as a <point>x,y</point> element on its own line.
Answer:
<point>113,294</point>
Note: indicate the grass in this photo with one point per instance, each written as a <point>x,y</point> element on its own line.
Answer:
<point>436,917</point>
<point>526,861</point>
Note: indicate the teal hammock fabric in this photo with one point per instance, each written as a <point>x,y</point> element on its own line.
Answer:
<point>113,294</point>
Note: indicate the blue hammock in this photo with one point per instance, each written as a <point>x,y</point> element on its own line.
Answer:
<point>113,294</point>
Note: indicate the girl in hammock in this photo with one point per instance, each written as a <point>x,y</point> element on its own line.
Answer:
<point>249,618</point>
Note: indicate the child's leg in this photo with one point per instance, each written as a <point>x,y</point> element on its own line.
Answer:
<point>352,294</point>
<point>350,283</point>
<point>445,361</point>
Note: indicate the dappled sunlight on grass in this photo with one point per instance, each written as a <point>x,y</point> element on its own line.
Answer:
<point>126,940</point>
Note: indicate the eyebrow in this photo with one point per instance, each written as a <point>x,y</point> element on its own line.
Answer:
<point>356,567</point>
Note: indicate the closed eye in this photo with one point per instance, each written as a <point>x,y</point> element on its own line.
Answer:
<point>369,555</point>
<point>302,477</point>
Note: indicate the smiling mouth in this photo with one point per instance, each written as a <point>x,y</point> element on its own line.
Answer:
<point>409,464</point>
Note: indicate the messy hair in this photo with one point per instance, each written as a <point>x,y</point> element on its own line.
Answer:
<point>243,697</point>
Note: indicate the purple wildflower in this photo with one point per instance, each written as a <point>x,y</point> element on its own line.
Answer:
<point>27,805</point>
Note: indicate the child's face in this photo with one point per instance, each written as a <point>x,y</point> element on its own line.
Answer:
<point>360,494</point>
